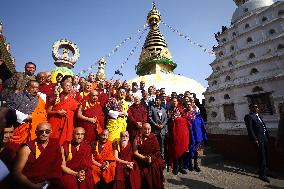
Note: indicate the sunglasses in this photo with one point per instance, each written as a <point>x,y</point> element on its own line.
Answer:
<point>47,131</point>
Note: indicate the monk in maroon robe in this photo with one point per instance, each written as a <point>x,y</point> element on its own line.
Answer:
<point>91,117</point>
<point>146,148</point>
<point>38,162</point>
<point>47,87</point>
<point>127,174</point>
<point>178,137</point>
<point>77,162</point>
<point>103,97</point>
<point>137,115</point>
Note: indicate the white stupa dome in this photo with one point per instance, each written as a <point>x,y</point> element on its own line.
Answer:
<point>248,7</point>
<point>172,83</point>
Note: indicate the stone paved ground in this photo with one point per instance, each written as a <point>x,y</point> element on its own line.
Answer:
<point>228,175</point>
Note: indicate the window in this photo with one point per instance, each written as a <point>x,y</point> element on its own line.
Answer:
<point>214,83</point>
<point>264,101</point>
<point>249,39</point>
<point>217,68</point>
<point>263,19</point>
<point>214,114</point>
<point>247,26</point>
<point>229,112</point>
<point>234,34</point>
<point>211,99</point>
<point>221,53</point>
<point>280,47</point>
<point>257,89</point>
<point>253,71</point>
<point>251,55</point>
<point>228,78</point>
<point>272,31</point>
<point>226,96</point>
<point>280,12</point>
<point>246,9</point>
<point>230,63</point>
<point>232,48</point>
<point>224,40</point>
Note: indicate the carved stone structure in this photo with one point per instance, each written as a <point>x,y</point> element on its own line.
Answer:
<point>101,70</point>
<point>248,69</point>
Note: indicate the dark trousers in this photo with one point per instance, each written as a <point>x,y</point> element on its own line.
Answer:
<point>161,139</point>
<point>262,154</point>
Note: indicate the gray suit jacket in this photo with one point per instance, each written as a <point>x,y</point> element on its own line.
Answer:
<point>154,119</point>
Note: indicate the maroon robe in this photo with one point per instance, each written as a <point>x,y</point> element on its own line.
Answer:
<point>125,177</point>
<point>92,130</point>
<point>47,88</point>
<point>81,160</point>
<point>151,174</point>
<point>8,156</point>
<point>103,99</point>
<point>136,113</point>
<point>47,167</point>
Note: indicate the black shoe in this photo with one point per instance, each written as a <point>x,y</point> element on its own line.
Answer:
<point>182,171</point>
<point>264,178</point>
<point>175,172</point>
<point>190,168</point>
<point>197,169</point>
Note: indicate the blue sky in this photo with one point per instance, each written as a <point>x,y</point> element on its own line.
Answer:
<point>96,26</point>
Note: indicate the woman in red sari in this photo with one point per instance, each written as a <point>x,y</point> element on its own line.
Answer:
<point>179,136</point>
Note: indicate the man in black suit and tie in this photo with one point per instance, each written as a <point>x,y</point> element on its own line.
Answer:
<point>258,133</point>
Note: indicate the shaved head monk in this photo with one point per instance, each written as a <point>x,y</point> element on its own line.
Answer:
<point>127,174</point>
<point>91,117</point>
<point>146,148</point>
<point>77,162</point>
<point>38,162</point>
<point>103,160</point>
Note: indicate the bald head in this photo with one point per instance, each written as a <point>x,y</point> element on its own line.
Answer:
<point>43,131</point>
<point>43,125</point>
<point>146,129</point>
<point>78,135</point>
<point>104,136</point>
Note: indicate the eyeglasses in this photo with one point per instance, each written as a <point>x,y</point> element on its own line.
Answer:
<point>40,132</point>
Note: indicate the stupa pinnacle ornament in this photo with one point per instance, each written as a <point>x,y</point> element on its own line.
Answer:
<point>155,56</point>
<point>65,60</point>
<point>101,70</point>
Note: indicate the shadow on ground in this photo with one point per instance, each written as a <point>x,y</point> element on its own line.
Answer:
<point>192,184</point>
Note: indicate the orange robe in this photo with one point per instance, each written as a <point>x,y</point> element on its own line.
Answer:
<point>62,126</point>
<point>101,154</point>
<point>26,131</point>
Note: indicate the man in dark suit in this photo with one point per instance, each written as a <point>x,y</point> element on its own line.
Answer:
<point>258,133</point>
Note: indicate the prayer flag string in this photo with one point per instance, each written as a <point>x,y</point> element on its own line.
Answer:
<point>118,71</point>
<point>113,51</point>
<point>188,39</point>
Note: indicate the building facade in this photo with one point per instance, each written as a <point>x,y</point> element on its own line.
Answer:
<point>248,68</point>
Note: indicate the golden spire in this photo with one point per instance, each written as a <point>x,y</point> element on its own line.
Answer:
<point>155,56</point>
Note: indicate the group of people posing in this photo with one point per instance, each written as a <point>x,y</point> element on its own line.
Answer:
<point>84,133</point>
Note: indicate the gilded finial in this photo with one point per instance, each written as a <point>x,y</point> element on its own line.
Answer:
<point>154,16</point>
